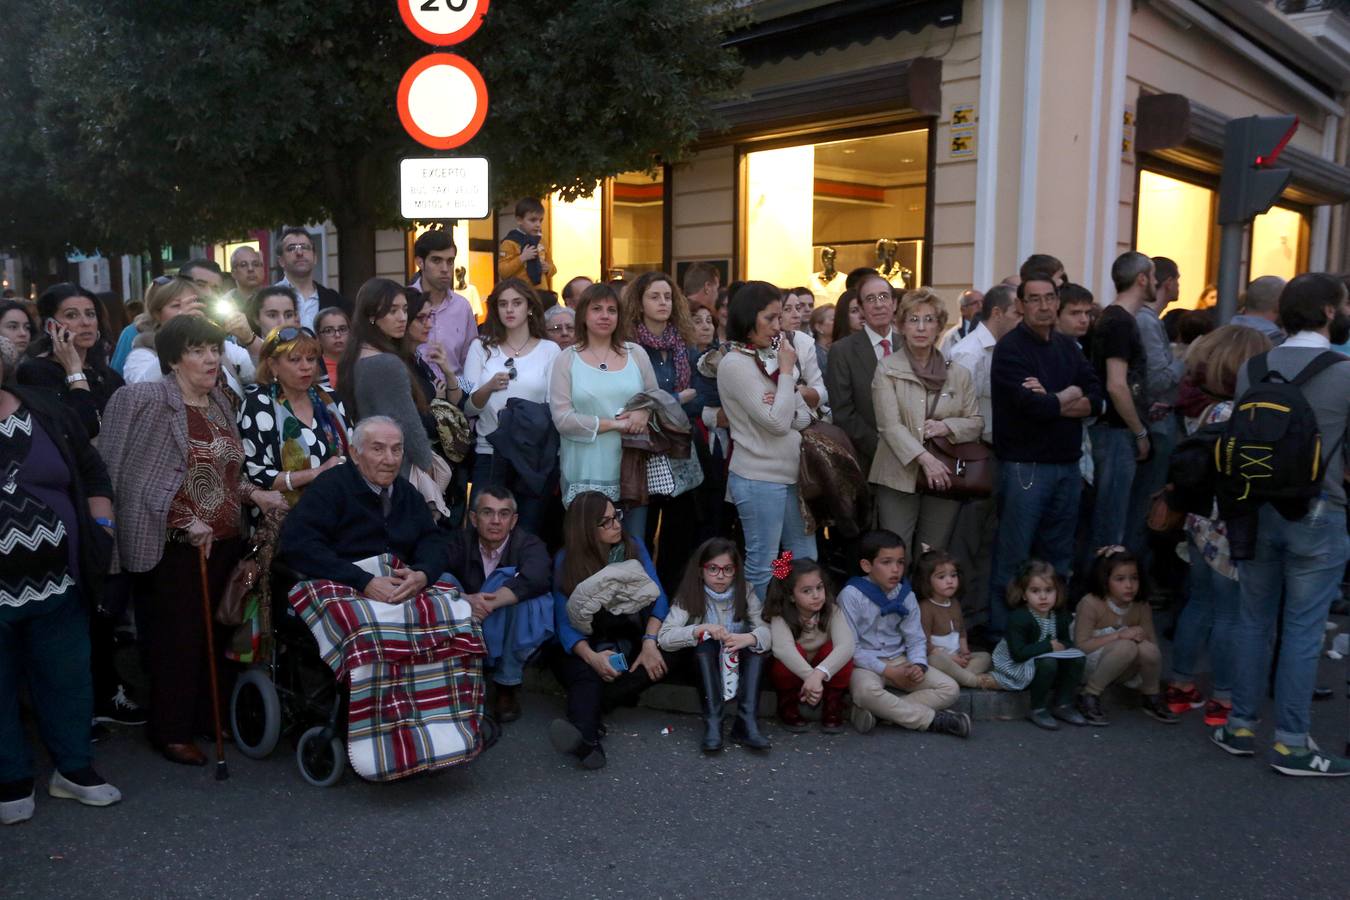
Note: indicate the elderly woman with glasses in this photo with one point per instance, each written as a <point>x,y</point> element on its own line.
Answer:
<point>291,428</point>
<point>560,324</point>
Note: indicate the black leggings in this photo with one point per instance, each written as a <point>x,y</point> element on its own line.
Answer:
<point>1061,675</point>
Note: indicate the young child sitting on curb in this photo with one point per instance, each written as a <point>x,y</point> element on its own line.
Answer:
<point>891,679</point>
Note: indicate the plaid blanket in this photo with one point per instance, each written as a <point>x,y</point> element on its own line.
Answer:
<point>416,672</point>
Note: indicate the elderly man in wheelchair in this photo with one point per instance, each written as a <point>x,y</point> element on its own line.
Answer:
<point>383,614</point>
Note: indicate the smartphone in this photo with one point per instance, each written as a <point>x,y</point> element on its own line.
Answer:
<point>618,663</point>
<point>56,331</point>
<point>223,309</point>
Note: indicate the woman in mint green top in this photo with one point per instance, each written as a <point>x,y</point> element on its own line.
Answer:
<point>591,382</point>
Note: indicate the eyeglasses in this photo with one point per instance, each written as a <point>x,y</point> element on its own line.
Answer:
<point>334,330</point>
<point>719,570</point>
<point>607,521</point>
<point>885,298</point>
<point>298,248</point>
<point>561,329</point>
<point>926,320</point>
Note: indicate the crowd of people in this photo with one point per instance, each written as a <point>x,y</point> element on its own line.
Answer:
<point>858,505</point>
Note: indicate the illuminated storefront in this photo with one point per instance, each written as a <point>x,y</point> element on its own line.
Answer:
<point>853,201</point>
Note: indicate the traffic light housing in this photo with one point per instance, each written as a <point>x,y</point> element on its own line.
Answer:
<point>1251,181</point>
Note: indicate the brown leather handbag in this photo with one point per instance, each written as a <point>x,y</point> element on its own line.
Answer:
<point>970,464</point>
<point>1162,518</point>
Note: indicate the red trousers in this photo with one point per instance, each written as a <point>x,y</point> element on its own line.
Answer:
<point>785,682</point>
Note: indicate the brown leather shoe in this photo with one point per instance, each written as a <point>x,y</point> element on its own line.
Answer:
<point>507,704</point>
<point>184,754</point>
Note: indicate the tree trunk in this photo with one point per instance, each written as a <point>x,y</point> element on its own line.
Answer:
<point>356,252</point>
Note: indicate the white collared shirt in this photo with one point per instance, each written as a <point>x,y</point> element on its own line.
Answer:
<point>1310,339</point>
<point>306,307</point>
<point>975,354</point>
<point>876,340</point>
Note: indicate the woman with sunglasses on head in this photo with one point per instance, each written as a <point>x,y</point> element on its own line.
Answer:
<point>291,428</point>
<point>68,359</point>
<point>513,359</point>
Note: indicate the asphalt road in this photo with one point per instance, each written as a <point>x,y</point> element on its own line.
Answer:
<point>1137,809</point>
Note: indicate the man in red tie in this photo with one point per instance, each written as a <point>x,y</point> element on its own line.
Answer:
<point>853,361</point>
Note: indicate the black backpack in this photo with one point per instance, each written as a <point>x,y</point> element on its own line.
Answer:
<point>1271,450</point>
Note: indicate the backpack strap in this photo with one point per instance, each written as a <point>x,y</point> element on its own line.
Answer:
<point>1258,368</point>
<point>1324,360</point>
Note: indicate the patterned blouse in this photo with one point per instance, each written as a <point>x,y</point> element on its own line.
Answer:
<point>210,489</point>
<point>276,441</point>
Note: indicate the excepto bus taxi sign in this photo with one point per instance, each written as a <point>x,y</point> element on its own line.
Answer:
<point>444,188</point>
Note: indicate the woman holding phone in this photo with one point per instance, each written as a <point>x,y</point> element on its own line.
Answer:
<point>68,359</point>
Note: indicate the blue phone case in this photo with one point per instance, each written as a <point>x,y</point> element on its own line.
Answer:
<point>618,663</point>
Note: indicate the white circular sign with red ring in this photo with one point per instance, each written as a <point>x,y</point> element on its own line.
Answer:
<point>443,22</point>
<point>442,101</point>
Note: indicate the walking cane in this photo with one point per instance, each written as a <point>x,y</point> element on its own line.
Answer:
<point>222,771</point>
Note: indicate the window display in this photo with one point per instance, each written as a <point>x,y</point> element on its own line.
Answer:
<point>1175,220</point>
<point>633,203</point>
<point>1279,243</point>
<point>812,213</point>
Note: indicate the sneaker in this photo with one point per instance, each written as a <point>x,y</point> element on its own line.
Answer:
<point>1181,700</point>
<point>120,710</point>
<point>1237,741</point>
<point>13,812</point>
<point>1216,712</point>
<point>1041,718</point>
<point>1155,707</point>
<point>947,722</point>
<point>862,720</point>
<point>1308,761</point>
<point>1066,713</point>
<point>98,793</point>
<point>1091,708</point>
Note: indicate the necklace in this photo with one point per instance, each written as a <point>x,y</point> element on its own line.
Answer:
<point>518,351</point>
<point>934,601</point>
<point>1120,613</point>
<point>604,361</point>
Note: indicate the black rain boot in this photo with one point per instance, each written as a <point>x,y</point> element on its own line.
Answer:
<point>709,657</point>
<point>746,730</point>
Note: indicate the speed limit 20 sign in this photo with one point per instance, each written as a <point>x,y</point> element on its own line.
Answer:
<point>442,22</point>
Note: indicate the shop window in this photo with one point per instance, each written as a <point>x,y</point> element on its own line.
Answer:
<point>855,202</point>
<point>617,231</point>
<point>1279,243</point>
<point>1175,219</point>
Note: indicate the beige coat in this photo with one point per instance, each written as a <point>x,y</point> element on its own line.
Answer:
<point>901,404</point>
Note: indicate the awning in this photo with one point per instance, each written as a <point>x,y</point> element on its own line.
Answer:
<point>1175,128</point>
<point>912,85</point>
<point>838,25</point>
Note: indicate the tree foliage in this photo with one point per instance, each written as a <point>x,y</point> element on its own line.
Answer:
<point>158,119</point>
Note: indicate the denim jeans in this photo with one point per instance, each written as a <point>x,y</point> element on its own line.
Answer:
<point>1209,619</point>
<point>1038,509</point>
<point>487,470</point>
<point>1304,562</point>
<point>1149,478</point>
<point>1113,452</point>
<point>770,516</point>
<point>46,644</point>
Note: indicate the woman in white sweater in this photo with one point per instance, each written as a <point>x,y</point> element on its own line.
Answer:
<point>757,380</point>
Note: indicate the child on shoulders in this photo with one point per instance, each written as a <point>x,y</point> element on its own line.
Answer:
<point>891,678</point>
<point>1038,626</point>
<point>812,644</point>
<point>521,255</point>
<point>717,615</point>
<point>1114,627</point>
<point>937,583</point>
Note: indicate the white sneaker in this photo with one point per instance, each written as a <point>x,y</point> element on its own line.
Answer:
<point>15,811</point>
<point>95,795</point>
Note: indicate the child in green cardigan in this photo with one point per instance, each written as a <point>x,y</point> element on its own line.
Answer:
<point>1037,651</point>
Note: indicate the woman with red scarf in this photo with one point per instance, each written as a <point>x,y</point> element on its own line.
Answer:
<point>663,325</point>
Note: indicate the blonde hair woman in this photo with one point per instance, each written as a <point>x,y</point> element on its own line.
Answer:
<point>179,296</point>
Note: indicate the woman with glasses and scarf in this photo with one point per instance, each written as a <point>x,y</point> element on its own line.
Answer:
<point>512,359</point>
<point>292,429</point>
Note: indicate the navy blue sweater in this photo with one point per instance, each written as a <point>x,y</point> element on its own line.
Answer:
<point>1027,424</point>
<point>338,522</point>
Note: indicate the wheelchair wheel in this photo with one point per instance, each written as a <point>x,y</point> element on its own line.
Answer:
<point>255,714</point>
<point>321,763</point>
